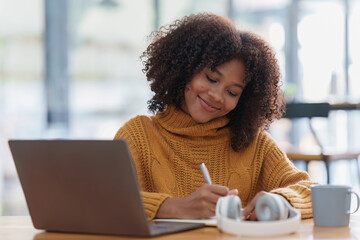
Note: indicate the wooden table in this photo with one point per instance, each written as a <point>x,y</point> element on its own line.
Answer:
<point>21,228</point>
<point>345,106</point>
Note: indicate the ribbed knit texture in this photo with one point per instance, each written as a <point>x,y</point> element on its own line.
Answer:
<point>168,148</point>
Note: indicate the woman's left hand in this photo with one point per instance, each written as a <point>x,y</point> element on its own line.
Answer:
<point>249,213</point>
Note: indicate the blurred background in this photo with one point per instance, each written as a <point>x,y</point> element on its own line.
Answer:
<point>71,69</point>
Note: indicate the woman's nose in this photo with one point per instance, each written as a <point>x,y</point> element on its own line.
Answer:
<point>216,94</point>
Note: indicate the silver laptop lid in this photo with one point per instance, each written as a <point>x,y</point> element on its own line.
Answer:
<point>84,186</point>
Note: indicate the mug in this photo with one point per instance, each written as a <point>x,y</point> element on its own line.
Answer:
<point>331,205</point>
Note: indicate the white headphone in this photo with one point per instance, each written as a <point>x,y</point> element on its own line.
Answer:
<point>275,214</point>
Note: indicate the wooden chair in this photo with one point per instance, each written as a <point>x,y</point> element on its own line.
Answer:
<point>310,111</point>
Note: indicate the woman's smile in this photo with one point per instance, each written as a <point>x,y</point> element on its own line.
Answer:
<point>208,107</point>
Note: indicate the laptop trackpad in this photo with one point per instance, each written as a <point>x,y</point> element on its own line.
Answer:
<point>172,227</point>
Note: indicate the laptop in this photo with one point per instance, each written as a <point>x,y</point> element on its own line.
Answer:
<point>84,186</point>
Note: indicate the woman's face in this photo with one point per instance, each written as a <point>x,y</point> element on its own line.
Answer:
<point>212,94</point>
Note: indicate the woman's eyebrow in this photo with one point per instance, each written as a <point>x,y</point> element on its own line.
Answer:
<point>217,71</point>
<point>239,85</point>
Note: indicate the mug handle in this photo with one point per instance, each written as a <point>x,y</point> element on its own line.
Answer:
<point>357,201</point>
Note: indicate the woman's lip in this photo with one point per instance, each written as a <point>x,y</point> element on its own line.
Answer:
<point>207,106</point>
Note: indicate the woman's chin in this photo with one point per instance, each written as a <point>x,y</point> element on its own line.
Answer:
<point>200,119</point>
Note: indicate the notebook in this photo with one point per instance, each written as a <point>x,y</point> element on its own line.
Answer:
<point>84,186</point>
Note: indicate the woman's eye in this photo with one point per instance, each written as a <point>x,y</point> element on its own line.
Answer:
<point>210,79</point>
<point>231,93</point>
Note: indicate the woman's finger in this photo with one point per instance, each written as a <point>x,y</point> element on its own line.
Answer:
<point>233,192</point>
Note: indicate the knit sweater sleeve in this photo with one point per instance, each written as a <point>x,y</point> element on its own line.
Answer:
<point>134,137</point>
<point>280,176</point>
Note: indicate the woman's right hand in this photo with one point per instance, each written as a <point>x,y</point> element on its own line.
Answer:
<point>200,204</point>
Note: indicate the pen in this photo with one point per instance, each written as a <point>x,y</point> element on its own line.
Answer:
<point>205,173</point>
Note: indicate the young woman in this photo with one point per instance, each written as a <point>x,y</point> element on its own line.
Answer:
<point>215,92</point>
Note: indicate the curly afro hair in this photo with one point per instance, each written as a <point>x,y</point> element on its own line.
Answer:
<point>261,101</point>
<point>180,50</point>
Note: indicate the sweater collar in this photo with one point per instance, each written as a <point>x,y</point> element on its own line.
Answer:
<point>178,122</point>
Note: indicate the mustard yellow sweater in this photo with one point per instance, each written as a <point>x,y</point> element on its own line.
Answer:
<point>168,148</point>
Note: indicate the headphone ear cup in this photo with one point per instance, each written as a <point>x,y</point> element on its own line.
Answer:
<point>234,208</point>
<point>270,207</point>
<point>229,207</point>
